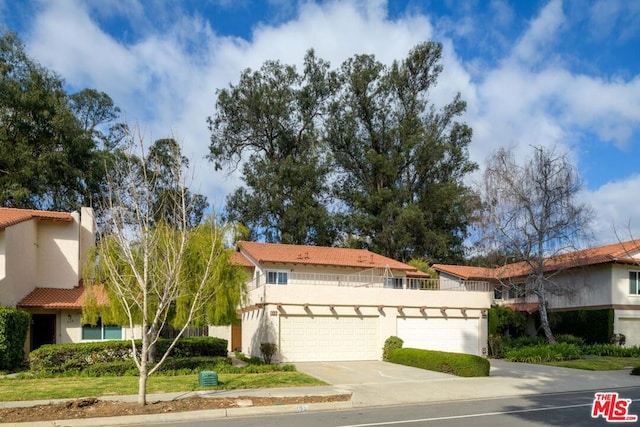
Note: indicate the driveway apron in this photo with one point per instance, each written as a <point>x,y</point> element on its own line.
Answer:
<point>376,383</point>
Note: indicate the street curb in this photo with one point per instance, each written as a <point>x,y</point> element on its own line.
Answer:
<point>189,415</point>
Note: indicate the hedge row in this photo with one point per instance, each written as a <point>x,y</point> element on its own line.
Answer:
<point>462,365</point>
<point>171,366</point>
<point>14,325</point>
<point>566,351</point>
<point>59,358</point>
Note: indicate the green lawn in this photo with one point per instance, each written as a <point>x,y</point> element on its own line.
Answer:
<point>599,363</point>
<point>74,387</point>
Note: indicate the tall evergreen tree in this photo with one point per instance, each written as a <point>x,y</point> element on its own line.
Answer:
<point>401,160</point>
<point>272,120</point>
<point>52,146</point>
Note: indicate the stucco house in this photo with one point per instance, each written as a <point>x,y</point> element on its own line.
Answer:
<point>603,277</point>
<point>41,259</point>
<point>329,304</point>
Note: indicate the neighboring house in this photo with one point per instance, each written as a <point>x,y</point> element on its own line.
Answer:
<point>603,277</point>
<point>329,304</point>
<point>41,258</point>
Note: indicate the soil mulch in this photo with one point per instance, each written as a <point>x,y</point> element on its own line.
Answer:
<point>93,408</point>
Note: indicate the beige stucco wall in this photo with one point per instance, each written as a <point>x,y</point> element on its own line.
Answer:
<point>223,332</point>
<point>3,263</point>
<point>262,324</point>
<point>620,279</point>
<point>43,253</point>
<point>20,242</point>
<point>58,253</point>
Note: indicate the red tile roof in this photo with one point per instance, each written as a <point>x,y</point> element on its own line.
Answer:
<point>621,252</point>
<point>239,259</point>
<point>55,298</point>
<point>321,255</point>
<point>13,216</point>
<point>465,272</point>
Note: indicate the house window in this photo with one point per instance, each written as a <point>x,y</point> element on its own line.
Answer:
<point>277,277</point>
<point>497,292</point>
<point>516,291</point>
<point>393,282</point>
<point>634,282</point>
<point>101,332</point>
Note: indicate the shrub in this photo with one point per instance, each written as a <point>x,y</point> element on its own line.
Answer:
<point>611,350</point>
<point>391,343</point>
<point>544,353</point>
<point>569,339</point>
<point>462,365</point>
<point>59,358</point>
<point>268,350</point>
<point>496,346</point>
<point>14,325</point>
<point>503,320</point>
<point>524,341</point>
<point>635,371</point>
<point>595,326</point>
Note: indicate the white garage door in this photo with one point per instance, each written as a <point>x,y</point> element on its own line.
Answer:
<point>454,335</point>
<point>320,338</point>
<point>631,330</point>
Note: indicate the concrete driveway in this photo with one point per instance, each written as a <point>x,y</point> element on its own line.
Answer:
<point>375,383</point>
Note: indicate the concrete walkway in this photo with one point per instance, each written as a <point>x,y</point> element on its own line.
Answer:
<point>374,383</point>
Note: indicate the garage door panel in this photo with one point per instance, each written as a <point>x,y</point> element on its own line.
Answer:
<point>328,338</point>
<point>443,334</point>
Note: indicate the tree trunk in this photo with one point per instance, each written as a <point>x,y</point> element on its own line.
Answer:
<point>142,384</point>
<point>144,354</point>
<point>544,320</point>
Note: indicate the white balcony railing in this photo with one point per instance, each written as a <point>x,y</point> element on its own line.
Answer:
<point>366,279</point>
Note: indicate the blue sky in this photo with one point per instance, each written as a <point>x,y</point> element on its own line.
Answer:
<point>564,73</point>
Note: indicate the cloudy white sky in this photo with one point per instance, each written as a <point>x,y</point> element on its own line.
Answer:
<point>563,73</point>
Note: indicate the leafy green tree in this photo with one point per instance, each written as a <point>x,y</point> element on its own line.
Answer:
<point>158,271</point>
<point>50,157</point>
<point>401,161</point>
<point>272,121</point>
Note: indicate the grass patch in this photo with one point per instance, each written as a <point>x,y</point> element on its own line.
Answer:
<point>75,387</point>
<point>598,363</point>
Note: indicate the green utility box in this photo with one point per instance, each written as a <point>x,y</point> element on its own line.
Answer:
<point>207,379</point>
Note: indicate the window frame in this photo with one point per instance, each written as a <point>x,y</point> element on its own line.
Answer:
<point>636,284</point>
<point>278,275</point>
<point>105,331</point>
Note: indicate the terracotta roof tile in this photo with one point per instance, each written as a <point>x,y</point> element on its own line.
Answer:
<point>622,252</point>
<point>56,298</point>
<point>319,255</point>
<point>239,259</point>
<point>465,272</point>
<point>13,216</point>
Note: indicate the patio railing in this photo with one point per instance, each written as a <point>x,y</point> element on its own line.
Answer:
<point>367,280</point>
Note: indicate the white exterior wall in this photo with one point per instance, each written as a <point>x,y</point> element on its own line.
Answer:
<point>20,243</point>
<point>58,254</point>
<point>588,287</point>
<point>223,332</point>
<point>620,280</point>
<point>262,324</point>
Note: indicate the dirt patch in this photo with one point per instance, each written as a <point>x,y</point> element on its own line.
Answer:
<point>93,408</point>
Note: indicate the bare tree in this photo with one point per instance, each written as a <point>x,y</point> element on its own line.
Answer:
<point>532,211</point>
<point>157,272</point>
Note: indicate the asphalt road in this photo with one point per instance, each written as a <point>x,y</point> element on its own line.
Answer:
<point>560,409</point>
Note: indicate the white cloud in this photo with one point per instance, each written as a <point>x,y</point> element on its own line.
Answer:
<point>166,79</point>
<point>540,35</point>
<point>617,216</point>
